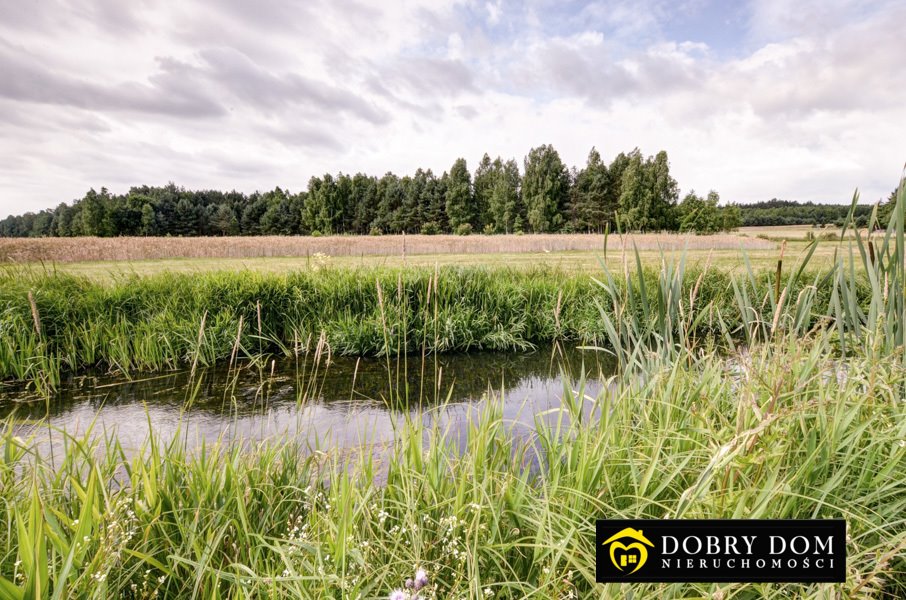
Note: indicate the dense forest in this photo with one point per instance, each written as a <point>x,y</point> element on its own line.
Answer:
<point>632,193</point>
<point>788,212</point>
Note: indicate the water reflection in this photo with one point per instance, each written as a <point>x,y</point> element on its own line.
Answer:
<point>338,404</point>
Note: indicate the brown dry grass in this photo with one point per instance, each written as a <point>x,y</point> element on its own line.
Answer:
<point>30,250</point>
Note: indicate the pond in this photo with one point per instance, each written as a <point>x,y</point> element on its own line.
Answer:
<point>341,403</point>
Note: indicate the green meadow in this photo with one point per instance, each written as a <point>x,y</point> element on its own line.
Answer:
<point>750,392</point>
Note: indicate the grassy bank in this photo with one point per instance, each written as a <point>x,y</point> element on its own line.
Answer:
<point>57,323</point>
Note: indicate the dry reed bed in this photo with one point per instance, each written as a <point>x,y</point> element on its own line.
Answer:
<point>150,248</point>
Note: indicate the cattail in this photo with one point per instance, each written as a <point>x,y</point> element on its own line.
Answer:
<point>380,297</point>
<point>779,271</point>
<point>34,313</point>
<point>436,278</point>
<point>258,310</point>
<point>778,311</point>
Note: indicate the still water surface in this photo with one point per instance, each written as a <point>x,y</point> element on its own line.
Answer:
<point>336,404</point>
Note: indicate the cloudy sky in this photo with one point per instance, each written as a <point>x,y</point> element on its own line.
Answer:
<point>801,100</point>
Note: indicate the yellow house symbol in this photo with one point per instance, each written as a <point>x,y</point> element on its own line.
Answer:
<point>626,559</point>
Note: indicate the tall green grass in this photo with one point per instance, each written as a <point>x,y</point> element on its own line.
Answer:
<point>805,420</point>
<point>779,433</point>
<point>53,324</point>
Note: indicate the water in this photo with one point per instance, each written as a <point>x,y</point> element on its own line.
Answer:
<point>337,404</point>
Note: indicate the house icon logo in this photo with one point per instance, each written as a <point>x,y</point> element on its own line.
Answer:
<point>628,555</point>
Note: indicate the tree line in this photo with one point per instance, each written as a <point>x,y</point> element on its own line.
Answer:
<point>632,193</point>
<point>788,212</point>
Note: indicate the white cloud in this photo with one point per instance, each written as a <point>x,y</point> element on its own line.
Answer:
<point>249,96</point>
<point>494,11</point>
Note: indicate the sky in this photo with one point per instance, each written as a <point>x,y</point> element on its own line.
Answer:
<point>799,100</point>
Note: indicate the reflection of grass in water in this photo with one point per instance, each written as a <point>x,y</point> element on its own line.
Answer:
<point>782,431</point>
<point>248,386</point>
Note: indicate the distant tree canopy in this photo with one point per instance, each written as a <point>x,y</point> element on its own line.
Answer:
<point>632,193</point>
<point>788,212</point>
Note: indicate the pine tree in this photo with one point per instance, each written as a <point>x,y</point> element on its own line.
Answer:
<point>320,210</point>
<point>364,201</point>
<point>433,202</point>
<point>591,195</point>
<point>390,198</point>
<point>224,221</point>
<point>279,219</point>
<point>483,183</point>
<point>459,196</point>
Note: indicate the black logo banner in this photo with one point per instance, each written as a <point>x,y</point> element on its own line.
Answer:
<point>720,550</point>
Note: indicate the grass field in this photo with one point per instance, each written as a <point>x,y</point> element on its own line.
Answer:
<point>792,232</point>
<point>569,261</point>
<point>105,258</point>
<point>739,394</point>
<point>24,250</point>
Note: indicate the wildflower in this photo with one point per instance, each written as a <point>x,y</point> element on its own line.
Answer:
<point>488,592</point>
<point>397,595</point>
<point>421,579</point>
